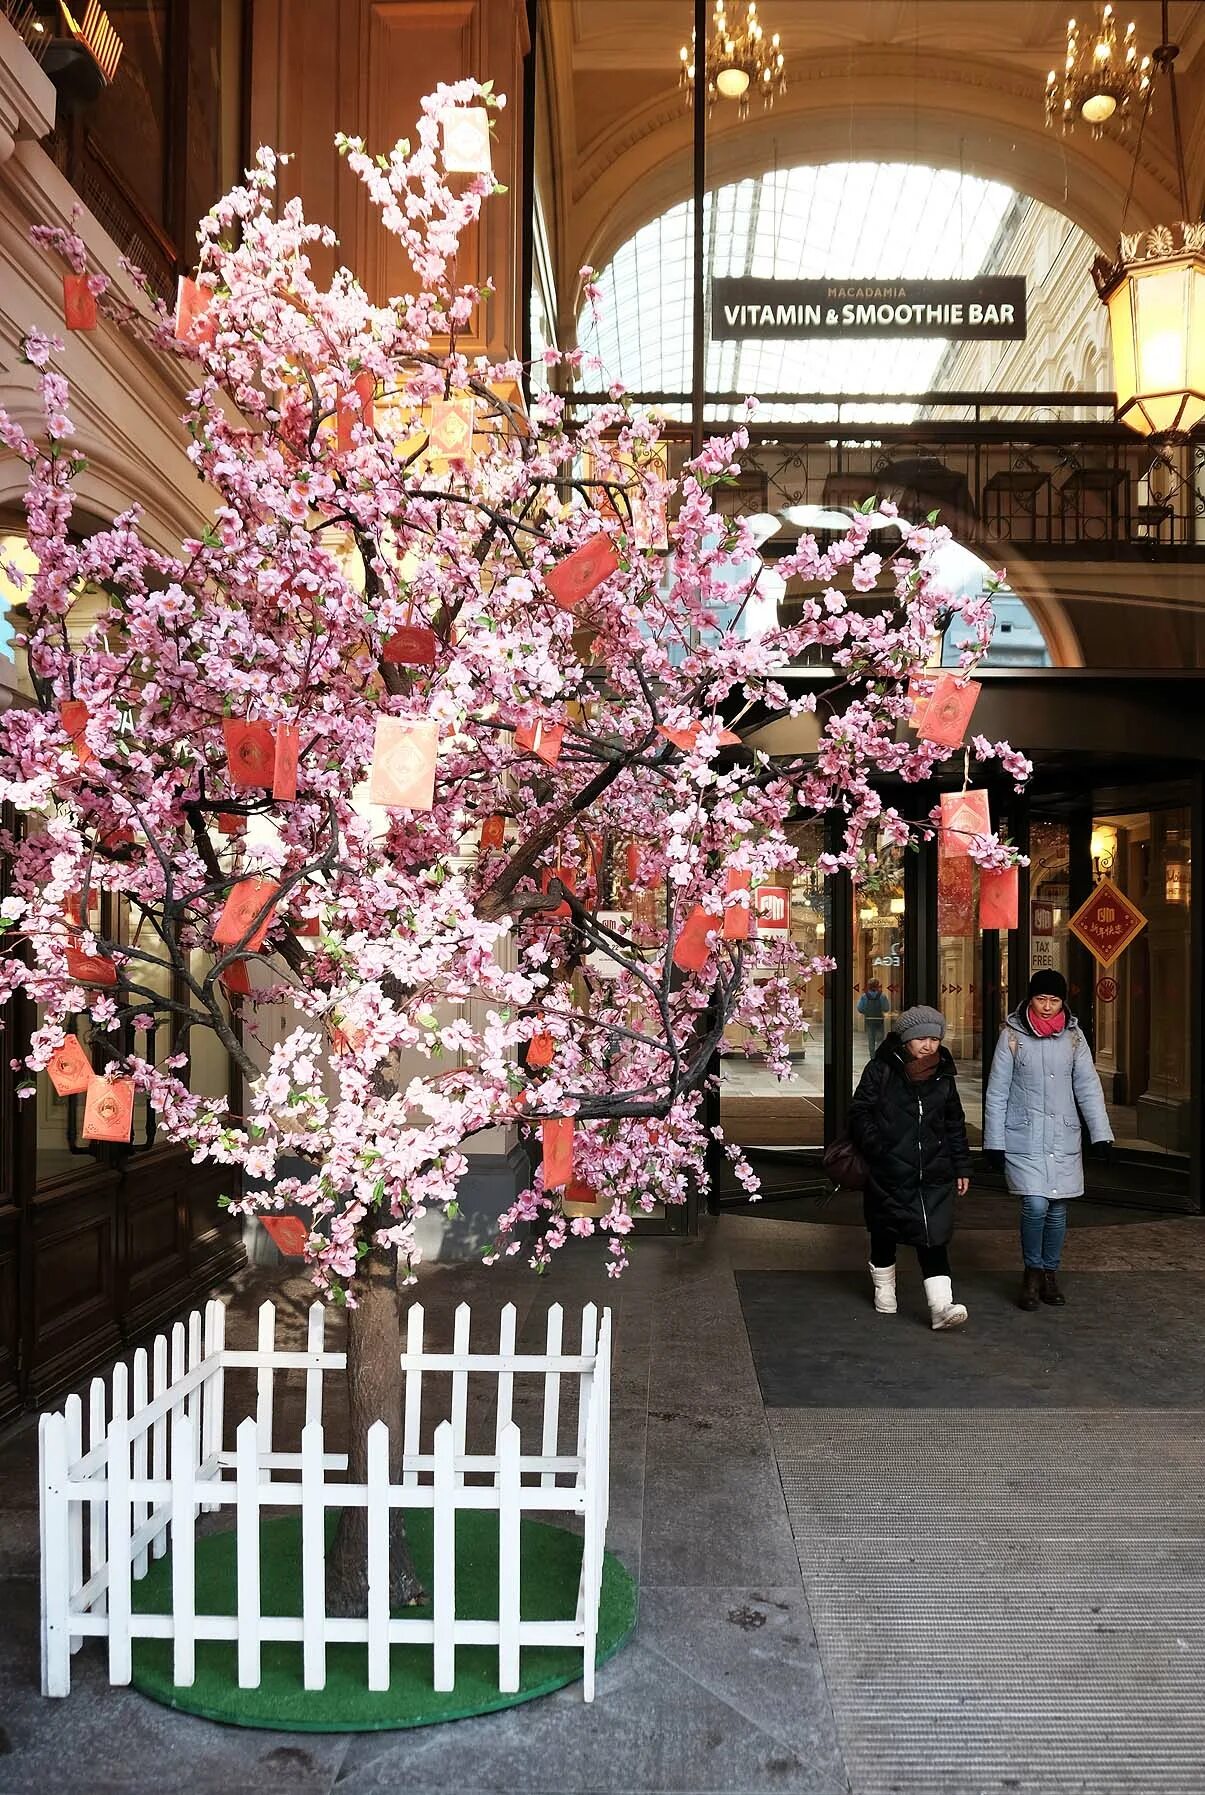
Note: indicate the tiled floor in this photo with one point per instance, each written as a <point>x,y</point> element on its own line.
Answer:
<point>726,1686</point>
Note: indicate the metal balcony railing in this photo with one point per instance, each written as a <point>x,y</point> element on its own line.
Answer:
<point>1044,473</point>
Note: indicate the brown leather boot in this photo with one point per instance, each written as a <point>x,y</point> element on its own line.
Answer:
<point>1050,1290</point>
<point>1031,1288</point>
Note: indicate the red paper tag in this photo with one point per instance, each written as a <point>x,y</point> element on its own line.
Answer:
<point>963,815</point>
<point>354,408</point>
<point>284,764</point>
<point>543,739</point>
<point>556,1139</point>
<point>540,1049</point>
<point>79,303</point>
<point>450,430</point>
<point>240,911</point>
<point>90,969</point>
<point>948,711</point>
<point>493,832</point>
<point>115,839</point>
<point>73,715</point>
<point>582,1199</point>
<point>568,879</point>
<point>918,699</point>
<point>403,763</point>
<point>466,135</point>
<point>69,1068</point>
<point>230,823</point>
<point>250,752</point>
<point>998,898</point>
<point>304,926</point>
<point>737,917</point>
<point>192,305</point>
<point>691,951</point>
<point>237,978</point>
<point>955,897</point>
<point>73,908</point>
<point>411,646</point>
<point>572,580</point>
<point>288,1234</point>
<point>109,1109</point>
<point>686,738</point>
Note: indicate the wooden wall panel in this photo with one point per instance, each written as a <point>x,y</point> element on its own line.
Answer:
<point>362,67</point>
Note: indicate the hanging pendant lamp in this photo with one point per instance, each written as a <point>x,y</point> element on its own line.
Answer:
<point>1154,289</point>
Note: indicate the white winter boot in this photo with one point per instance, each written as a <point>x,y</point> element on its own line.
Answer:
<point>883,1277</point>
<point>944,1312</point>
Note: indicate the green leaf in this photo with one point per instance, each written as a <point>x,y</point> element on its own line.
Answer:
<point>452,1209</point>
<point>932,517</point>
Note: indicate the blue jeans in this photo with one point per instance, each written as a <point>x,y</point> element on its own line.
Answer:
<point>1043,1227</point>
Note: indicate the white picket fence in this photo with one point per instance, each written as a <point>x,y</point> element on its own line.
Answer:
<point>158,1451</point>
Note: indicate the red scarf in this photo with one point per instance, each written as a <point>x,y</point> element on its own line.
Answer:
<point>1045,1026</point>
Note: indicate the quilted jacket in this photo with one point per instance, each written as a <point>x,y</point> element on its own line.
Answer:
<point>913,1138</point>
<point>1039,1088</point>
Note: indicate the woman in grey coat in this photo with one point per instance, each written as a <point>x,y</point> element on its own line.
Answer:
<point>1042,1082</point>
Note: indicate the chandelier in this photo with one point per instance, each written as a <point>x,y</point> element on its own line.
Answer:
<point>740,59</point>
<point>1101,78</point>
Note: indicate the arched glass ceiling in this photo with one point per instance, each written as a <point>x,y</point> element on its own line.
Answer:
<point>861,220</point>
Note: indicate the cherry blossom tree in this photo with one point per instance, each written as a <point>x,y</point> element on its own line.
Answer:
<point>437,726</point>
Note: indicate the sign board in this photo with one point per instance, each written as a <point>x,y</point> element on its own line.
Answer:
<point>1107,923</point>
<point>773,904</point>
<point>1106,990</point>
<point>989,308</point>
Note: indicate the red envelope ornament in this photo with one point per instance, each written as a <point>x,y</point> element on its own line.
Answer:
<point>582,1199</point>
<point>918,699</point>
<point>192,304</point>
<point>543,739</point>
<point>686,738</point>
<point>230,823</point>
<point>568,879</point>
<point>691,951</point>
<point>239,912</point>
<point>450,430</point>
<point>354,408</point>
<point>286,747</point>
<point>288,1234</point>
<point>572,580</point>
<point>948,711</point>
<point>540,1048</point>
<point>90,969</point>
<point>115,839</point>
<point>737,917</point>
<point>998,898</point>
<point>250,752</point>
<point>237,978</point>
<point>413,645</point>
<point>556,1139</point>
<point>955,897</point>
<point>493,832</point>
<point>69,1068</point>
<point>73,907</point>
<point>79,303</point>
<point>109,1109</point>
<point>963,815</point>
<point>403,763</point>
<point>466,140</point>
<point>74,716</point>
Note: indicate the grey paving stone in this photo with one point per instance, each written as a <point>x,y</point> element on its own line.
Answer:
<point>646,1731</point>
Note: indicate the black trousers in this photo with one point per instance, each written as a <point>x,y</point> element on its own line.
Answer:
<point>934,1261</point>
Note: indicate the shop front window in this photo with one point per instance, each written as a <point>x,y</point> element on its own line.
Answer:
<point>878,958</point>
<point>1142,1004</point>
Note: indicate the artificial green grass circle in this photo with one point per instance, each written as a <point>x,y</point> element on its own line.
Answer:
<point>551,1568</point>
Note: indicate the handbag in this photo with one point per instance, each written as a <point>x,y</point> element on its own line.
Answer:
<point>845,1165</point>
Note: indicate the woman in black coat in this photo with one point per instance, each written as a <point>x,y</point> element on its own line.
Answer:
<point>907,1123</point>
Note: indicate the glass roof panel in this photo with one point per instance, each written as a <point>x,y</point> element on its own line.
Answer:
<point>861,220</point>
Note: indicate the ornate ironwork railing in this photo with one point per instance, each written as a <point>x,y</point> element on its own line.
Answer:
<point>1047,482</point>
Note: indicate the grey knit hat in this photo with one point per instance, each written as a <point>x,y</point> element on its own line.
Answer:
<point>919,1022</point>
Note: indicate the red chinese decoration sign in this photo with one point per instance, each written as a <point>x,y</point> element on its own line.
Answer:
<point>1107,923</point>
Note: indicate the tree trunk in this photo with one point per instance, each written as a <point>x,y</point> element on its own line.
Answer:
<point>374,1390</point>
